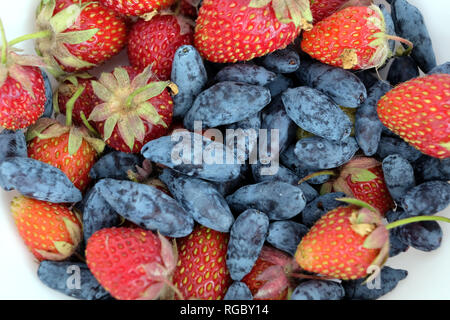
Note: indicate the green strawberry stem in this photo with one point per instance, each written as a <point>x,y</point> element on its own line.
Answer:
<point>402,222</point>
<point>130,98</point>
<point>4,43</point>
<point>88,125</point>
<point>70,104</point>
<point>402,40</point>
<point>36,35</point>
<point>317,174</point>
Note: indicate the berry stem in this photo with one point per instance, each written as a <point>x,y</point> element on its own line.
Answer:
<point>402,222</point>
<point>402,40</point>
<point>37,35</point>
<point>135,93</point>
<point>88,125</point>
<point>317,174</point>
<point>4,43</point>
<point>70,104</point>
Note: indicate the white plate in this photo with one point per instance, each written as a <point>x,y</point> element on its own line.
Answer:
<point>428,277</point>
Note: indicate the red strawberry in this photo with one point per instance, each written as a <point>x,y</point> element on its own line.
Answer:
<point>240,30</point>
<point>84,103</point>
<point>68,148</point>
<point>344,243</point>
<point>353,38</point>
<point>131,263</point>
<point>418,111</point>
<point>362,178</point>
<point>188,8</point>
<point>154,42</point>
<point>77,34</point>
<point>321,9</point>
<point>137,7</point>
<point>201,270</point>
<point>51,231</point>
<point>268,279</point>
<point>134,110</point>
<point>22,88</point>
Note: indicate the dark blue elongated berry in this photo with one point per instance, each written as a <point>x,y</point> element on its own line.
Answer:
<point>72,279</point>
<point>390,27</point>
<point>37,180</point>
<point>389,279</point>
<point>193,155</point>
<point>12,144</point>
<point>247,237</point>
<point>319,206</point>
<point>284,175</point>
<point>424,235</point>
<point>279,200</point>
<point>442,68</point>
<point>248,73</point>
<point>286,235</point>
<point>200,199</point>
<point>146,206</point>
<point>430,168</point>
<point>242,137</point>
<point>48,111</point>
<point>368,127</point>
<point>291,161</point>
<point>238,291</point>
<point>225,103</point>
<point>427,198</point>
<point>228,187</point>
<point>314,112</point>
<point>115,165</point>
<point>409,24</point>
<point>402,69</point>
<point>396,245</point>
<point>282,61</point>
<point>279,84</point>
<point>318,290</point>
<point>391,145</point>
<point>367,77</point>
<point>275,117</point>
<point>317,152</point>
<point>398,175</point>
<point>97,213</point>
<point>189,74</point>
<point>342,86</point>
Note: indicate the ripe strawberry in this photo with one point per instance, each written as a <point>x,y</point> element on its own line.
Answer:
<point>154,42</point>
<point>22,88</point>
<point>68,148</point>
<point>240,30</point>
<point>77,34</point>
<point>343,243</point>
<point>362,178</point>
<point>51,231</point>
<point>131,263</point>
<point>134,110</point>
<point>84,103</point>
<point>418,111</point>
<point>321,9</point>
<point>352,38</point>
<point>201,270</point>
<point>188,8</point>
<point>268,278</point>
<point>137,7</point>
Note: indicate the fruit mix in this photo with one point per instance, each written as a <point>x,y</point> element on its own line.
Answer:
<point>363,165</point>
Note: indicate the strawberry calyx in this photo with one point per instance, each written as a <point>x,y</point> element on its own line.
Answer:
<point>51,39</point>
<point>125,103</point>
<point>296,11</point>
<point>69,86</point>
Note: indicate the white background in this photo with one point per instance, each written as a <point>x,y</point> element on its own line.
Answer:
<point>429,273</point>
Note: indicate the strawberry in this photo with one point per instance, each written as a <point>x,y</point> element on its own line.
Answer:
<point>321,9</point>
<point>268,279</point>
<point>131,263</point>
<point>51,231</point>
<point>352,38</point>
<point>134,110</point>
<point>76,35</point>
<point>344,243</point>
<point>84,103</point>
<point>201,270</point>
<point>22,87</point>
<point>240,30</point>
<point>137,7</point>
<point>418,111</point>
<point>154,42</point>
<point>362,178</point>
<point>188,8</point>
